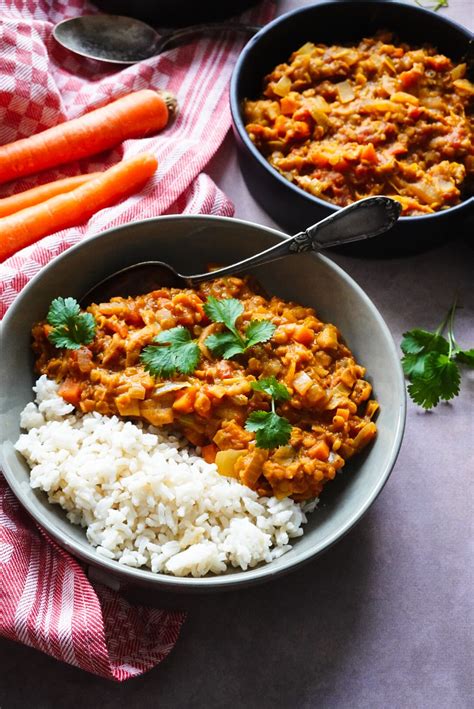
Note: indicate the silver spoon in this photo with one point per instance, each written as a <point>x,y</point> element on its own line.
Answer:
<point>361,220</point>
<point>125,40</point>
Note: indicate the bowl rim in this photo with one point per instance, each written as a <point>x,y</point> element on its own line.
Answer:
<point>239,125</point>
<point>261,573</point>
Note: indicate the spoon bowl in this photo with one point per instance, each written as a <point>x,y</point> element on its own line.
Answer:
<point>116,39</point>
<point>362,220</point>
<point>111,38</point>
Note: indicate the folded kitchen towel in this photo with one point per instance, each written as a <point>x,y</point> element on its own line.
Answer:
<point>46,599</point>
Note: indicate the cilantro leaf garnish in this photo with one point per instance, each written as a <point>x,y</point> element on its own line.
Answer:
<point>71,328</point>
<point>271,430</point>
<point>230,343</point>
<point>176,352</point>
<point>273,388</point>
<point>224,344</point>
<point>225,311</point>
<point>430,363</point>
<point>258,331</point>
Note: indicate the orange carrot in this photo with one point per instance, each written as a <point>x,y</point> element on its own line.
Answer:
<point>22,200</point>
<point>133,116</point>
<point>70,390</point>
<point>64,210</point>
<point>184,404</point>
<point>209,452</point>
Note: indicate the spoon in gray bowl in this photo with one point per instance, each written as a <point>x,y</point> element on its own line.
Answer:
<point>362,220</point>
<point>124,40</point>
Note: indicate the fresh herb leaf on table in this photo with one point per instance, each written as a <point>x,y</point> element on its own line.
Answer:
<point>71,328</point>
<point>176,352</point>
<point>271,430</point>
<point>430,363</point>
<point>435,6</point>
<point>230,343</point>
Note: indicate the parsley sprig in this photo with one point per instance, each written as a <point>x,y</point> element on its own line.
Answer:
<point>71,328</point>
<point>229,343</point>
<point>430,363</point>
<point>175,351</point>
<point>271,430</point>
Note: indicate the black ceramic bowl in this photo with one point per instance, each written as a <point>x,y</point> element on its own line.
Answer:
<point>335,21</point>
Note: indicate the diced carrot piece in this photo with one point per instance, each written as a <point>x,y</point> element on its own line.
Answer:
<point>320,451</point>
<point>288,106</point>
<point>344,413</point>
<point>319,159</point>
<point>209,452</point>
<point>439,62</point>
<point>133,317</point>
<point>398,148</point>
<point>368,153</point>
<point>414,112</point>
<point>70,390</point>
<point>184,404</point>
<point>303,335</point>
<point>408,78</point>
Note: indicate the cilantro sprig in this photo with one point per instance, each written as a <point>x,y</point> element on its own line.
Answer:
<point>71,328</point>
<point>229,343</point>
<point>271,430</point>
<point>435,6</point>
<point>430,363</point>
<point>175,351</point>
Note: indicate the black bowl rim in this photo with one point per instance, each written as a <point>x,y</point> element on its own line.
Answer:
<point>239,125</point>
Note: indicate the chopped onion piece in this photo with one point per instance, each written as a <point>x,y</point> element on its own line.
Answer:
<point>345,91</point>
<point>404,97</point>
<point>318,107</point>
<point>389,64</point>
<point>306,48</point>
<point>464,86</point>
<point>458,72</point>
<point>166,387</point>
<point>226,460</point>
<point>283,86</point>
<point>302,383</point>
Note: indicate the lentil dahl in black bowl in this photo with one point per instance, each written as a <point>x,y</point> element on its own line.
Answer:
<point>347,23</point>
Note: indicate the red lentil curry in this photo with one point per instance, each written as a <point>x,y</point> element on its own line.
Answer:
<point>329,408</point>
<point>344,123</point>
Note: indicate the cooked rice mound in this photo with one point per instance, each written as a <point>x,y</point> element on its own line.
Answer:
<point>145,498</point>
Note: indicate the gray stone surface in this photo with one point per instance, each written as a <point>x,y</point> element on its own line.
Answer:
<point>382,620</point>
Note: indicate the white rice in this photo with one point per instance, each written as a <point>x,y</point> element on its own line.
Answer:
<point>146,498</point>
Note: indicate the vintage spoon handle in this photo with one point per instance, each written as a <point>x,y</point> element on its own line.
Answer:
<point>362,220</point>
<point>174,37</point>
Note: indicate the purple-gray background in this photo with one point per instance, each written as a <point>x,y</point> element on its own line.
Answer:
<point>385,619</point>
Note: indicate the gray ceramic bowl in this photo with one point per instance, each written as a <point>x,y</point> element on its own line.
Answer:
<point>189,243</point>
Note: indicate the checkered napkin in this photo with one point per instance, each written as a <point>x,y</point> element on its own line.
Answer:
<point>46,599</point>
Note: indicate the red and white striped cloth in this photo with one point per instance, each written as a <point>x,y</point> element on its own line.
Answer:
<point>46,599</point>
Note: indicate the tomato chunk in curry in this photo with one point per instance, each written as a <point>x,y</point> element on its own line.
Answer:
<point>330,408</point>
